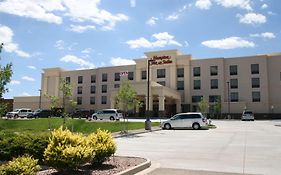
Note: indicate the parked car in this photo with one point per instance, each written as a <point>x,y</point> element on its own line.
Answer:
<point>40,113</point>
<point>111,114</point>
<point>248,115</point>
<point>194,120</point>
<point>81,113</point>
<point>24,112</point>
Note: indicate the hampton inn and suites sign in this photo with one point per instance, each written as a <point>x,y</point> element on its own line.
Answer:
<point>160,60</point>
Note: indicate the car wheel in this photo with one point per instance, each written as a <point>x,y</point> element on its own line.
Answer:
<point>95,118</point>
<point>167,126</point>
<point>16,116</point>
<point>195,126</point>
<point>111,118</point>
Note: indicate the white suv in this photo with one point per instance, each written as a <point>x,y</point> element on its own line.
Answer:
<point>248,115</point>
<point>111,114</point>
<point>24,112</point>
<point>194,120</point>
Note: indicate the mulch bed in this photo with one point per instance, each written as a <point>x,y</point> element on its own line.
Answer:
<point>113,165</point>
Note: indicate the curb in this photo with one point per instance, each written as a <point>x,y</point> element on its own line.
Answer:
<point>118,135</point>
<point>136,169</point>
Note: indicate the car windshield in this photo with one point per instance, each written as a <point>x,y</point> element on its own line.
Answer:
<point>174,117</point>
<point>248,112</point>
<point>16,110</point>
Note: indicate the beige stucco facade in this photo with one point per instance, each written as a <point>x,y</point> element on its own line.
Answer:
<point>169,89</point>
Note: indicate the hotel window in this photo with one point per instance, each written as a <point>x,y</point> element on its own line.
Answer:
<point>163,83</point>
<point>234,96</point>
<point>80,79</point>
<point>117,76</point>
<point>92,100</point>
<point>256,96</point>
<point>103,99</point>
<point>255,82</point>
<point>116,85</point>
<point>255,68</point>
<point>196,84</point>
<point>79,100</point>
<point>214,98</point>
<point>161,73</point>
<point>79,90</point>
<point>93,78</point>
<point>67,79</point>
<point>130,75</point>
<point>214,83</point>
<point>233,70</point>
<point>104,88</point>
<point>180,85</point>
<point>214,70</point>
<point>93,89</point>
<point>143,75</point>
<point>196,98</point>
<point>196,71</point>
<point>180,72</point>
<point>233,83</point>
<point>104,77</point>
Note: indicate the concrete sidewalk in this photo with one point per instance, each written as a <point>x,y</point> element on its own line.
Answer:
<point>134,132</point>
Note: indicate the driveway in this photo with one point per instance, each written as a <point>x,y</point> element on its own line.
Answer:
<point>234,147</point>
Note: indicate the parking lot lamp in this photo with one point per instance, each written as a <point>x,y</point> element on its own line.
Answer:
<point>228,101</point>
<point>39,98</point>
<point>147,121</point>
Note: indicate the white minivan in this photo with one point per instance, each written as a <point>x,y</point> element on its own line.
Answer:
<point>108,114</point>
<point>194,120</point>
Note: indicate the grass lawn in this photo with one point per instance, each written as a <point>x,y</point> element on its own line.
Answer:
<point>76,125</point>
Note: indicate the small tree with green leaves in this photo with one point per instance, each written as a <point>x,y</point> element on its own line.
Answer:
<point>203,105</point>
<point>66,89</point>
<point>217,107</point>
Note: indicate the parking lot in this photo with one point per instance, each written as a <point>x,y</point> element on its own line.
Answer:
<point>234,147</point>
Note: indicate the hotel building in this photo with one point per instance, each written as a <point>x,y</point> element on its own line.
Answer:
<point>177,84</point>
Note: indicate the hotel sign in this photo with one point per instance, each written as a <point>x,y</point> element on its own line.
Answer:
<point>160,60</point>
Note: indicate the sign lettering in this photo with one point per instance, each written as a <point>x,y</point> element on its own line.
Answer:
<point>160,60</point>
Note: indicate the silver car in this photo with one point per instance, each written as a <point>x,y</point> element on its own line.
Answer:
<point>108,114</point>
<point>248,115</point>
<point>194,120</point>
<point>24,112</point>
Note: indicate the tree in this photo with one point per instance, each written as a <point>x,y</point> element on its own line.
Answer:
<point>217,107</point>
<point>65,88</point>
<point>203,105</point>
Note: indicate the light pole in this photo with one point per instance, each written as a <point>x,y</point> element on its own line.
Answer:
<point>147,121</point>
<point>228,101</point>
<point>272,110</point>
<point>40,98</point>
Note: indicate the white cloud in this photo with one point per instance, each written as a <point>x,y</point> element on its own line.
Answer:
<point>228,43</point>
<point>31,67</point>
<point>271,13</point>
<point>252,18</point>
<point>81,29</point>
<point>152,21</point>
<point>6,35</point>
<point>161,40</point>
<point>264,6</point>
<point>172,17</point>
<point>27,78</point>
<point>24,94</point>
<point>87,50</point>
<point>117,61</point>
<point>243,4</point>
<point>39,10</point>
<point>186,44</point>
<point>15,82</point>
<point>265,35</point>
<point>79,61</point>
<point>59,45</point>
<point>133,3</point>
<point>203,4</point>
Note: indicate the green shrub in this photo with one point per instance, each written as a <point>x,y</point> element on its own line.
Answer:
<point>24,165</point>
<point>12,145</point>
<point>103,144</point>
<point>67,150</point>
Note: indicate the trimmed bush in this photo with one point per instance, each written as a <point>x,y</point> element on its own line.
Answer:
<point>24,165</point>
<point>103,145</point>
<point>67,150</point>
<point>12,145</point>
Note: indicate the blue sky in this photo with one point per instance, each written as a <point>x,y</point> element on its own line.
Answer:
<point>79,34</point>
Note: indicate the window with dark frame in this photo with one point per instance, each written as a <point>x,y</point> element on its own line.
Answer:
<point>80,79</point>
<point>117,76</point>
<point>214,83</point>
<point>67,79</point>
<point>255,69</point>
<point>196,98</point>
<point>92,100</point>
<point>196,72</point>
<point>93,89</point>
<point>104,77</point>
<point>196,84</point>
<point>116,85</point>
<point>79,90</point>
<point>213,70</point>
<point>256,96</point>
<point>161,73</point>
<point>233,83</point>
<point>214,98</point>
<point>130,75</point>
<point>93,78</point>
<point>234,97</point>
<point>143,75</point>
<point>233,70</point>
<point>180,85</point>
<point>180,72</point>
<point>104,88</point>
<point>103,99</point>
<point>255,82</point>
<point>79,100</point>
<point>163,83</point>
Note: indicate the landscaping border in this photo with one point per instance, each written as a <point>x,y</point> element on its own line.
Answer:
<point>136,169</point>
